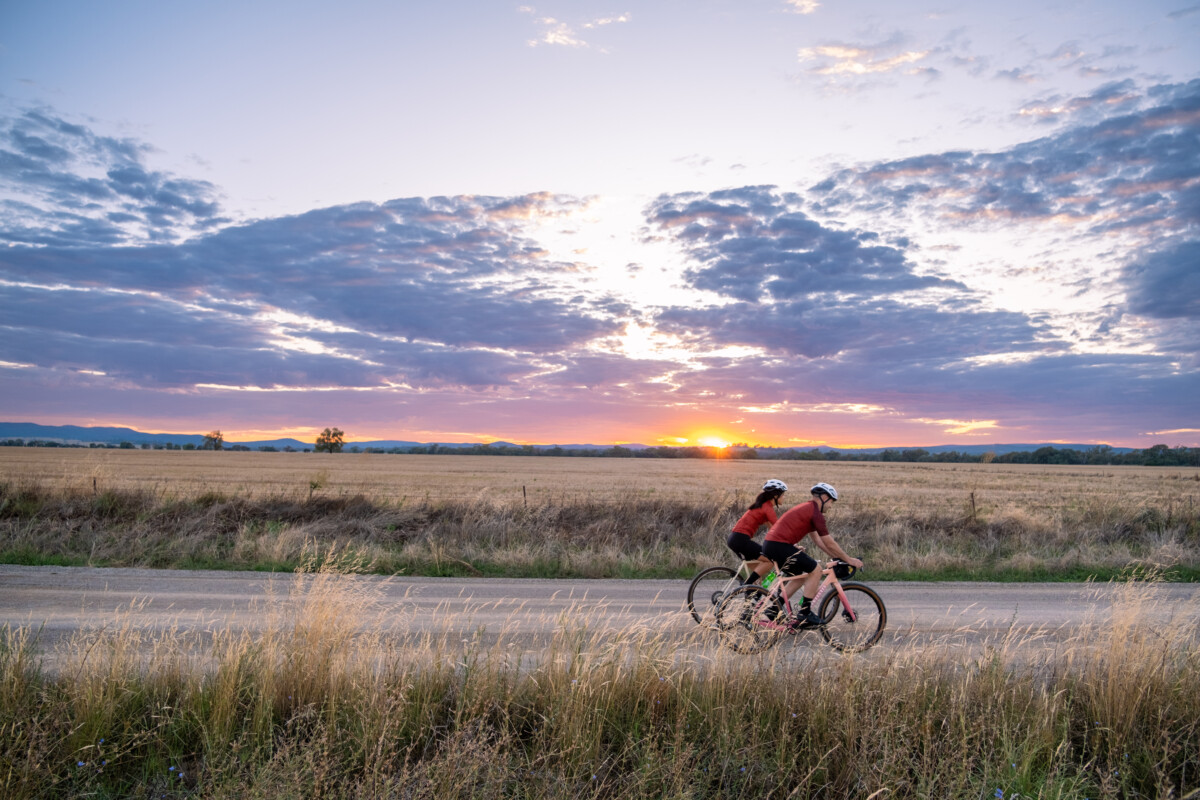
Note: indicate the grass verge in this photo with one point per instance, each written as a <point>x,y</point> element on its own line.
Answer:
<point>319,704</point>
<point>636,537</point>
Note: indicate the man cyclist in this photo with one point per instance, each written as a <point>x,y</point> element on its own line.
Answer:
<point>794,525</point>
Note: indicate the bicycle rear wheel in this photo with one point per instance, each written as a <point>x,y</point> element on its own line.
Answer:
<point>707,591</point>
<point>860,626</point>
<point>741,619</point>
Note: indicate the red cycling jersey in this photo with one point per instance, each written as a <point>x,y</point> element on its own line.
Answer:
<point>755,518</point>
<point>798,522</point>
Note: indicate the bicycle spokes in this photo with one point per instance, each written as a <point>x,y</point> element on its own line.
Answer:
<point>854,618</point>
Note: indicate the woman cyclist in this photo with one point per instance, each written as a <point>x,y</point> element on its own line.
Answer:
<point>780,546</point>
<point>763,511</point>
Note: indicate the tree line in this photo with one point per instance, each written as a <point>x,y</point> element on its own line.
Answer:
<point>1160,455</point>
<point>332,440</point>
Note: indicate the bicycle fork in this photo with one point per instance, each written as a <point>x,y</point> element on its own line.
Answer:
<point>846,609</point>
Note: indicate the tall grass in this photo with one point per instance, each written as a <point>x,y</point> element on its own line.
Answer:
<point>322,704</point>
<point>631,536</point>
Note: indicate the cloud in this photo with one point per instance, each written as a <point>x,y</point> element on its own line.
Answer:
<point>802,6</point>
<point>1123,185</point>
<point>816,309</point>
<point>1164,287</point>
<point>1131,171</point>
<point>1106,100</point>
<point>415,291</point>
<point>68,186</point>
<point>798,287</point>
<point>962,427</point>
<point>859,59</point>
<point>561,34</point>
<point>930,53</point>
<point>841,315</point>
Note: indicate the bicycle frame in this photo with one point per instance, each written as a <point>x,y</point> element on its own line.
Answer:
<point>831,579</point>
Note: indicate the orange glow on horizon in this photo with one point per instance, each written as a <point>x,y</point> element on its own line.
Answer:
<point>712,436</point>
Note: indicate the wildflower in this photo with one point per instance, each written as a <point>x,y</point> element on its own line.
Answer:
<point>999,794</point>
<point>79,763</point>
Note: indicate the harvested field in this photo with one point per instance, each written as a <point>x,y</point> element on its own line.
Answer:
<point>890,486</point>
<point>584,517</point>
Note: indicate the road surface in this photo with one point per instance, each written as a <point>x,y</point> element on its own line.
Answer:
<point>61,602</point>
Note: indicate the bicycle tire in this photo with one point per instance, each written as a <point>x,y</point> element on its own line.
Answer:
<point>863,632</point>
<point>708,589</point>
<point>738,619</point>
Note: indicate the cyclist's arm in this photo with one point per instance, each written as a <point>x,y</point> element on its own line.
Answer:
<point>830,546</point>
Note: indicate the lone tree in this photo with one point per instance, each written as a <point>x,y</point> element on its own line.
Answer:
<point>330,441</point>
<point>213,441</point>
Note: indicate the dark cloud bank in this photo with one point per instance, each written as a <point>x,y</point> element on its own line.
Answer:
<point>113,268</point>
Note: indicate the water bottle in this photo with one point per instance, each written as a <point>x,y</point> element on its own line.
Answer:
<point>768,579</point>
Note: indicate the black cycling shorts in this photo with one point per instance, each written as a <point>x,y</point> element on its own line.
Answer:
<point>791,560</point>
<point>744,546</point>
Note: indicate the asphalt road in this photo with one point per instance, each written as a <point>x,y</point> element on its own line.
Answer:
<point>62,601</point>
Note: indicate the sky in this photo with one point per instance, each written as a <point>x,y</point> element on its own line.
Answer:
<point>787,223</point>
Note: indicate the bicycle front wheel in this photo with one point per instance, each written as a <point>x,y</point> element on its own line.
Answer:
<point>707,591</point>
<point>744,622</point>
<point>858,625</point>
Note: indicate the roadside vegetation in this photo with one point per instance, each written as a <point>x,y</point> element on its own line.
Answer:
<point>583,519</point>
<point>320,705</point>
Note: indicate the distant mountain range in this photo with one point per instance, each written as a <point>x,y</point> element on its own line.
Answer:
<point>74,434</point>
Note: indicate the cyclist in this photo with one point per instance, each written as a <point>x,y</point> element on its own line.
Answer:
<point>763,511</point>
<point>780,547</point>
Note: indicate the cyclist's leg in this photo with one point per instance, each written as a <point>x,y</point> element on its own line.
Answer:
<point>763,566</point>
<point>813,581</point>
<point>749,551</point>
<point>792,561</point>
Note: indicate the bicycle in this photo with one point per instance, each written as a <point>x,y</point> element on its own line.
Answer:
<point>750,619</point>
<point>712,585</point>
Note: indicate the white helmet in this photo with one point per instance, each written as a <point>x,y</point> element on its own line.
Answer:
<point>774,485</point>
<point>825,488</point>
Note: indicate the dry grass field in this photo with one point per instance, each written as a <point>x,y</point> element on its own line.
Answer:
<point>317,707</point>
<point>891,486</point>
<point>587,517</point>
<point>319,704</point>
